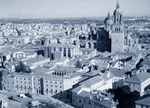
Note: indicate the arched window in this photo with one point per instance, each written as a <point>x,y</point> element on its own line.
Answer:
<point>120,18</point>
<point>89,45</point>
<point>64,52</point>
<point>69,52</point>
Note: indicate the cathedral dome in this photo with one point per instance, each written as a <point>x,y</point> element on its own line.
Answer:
<point>108,18</point>
<point>117,10</point>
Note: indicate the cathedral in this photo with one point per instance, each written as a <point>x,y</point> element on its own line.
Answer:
<point>114,32</point>
<point>112,37</point>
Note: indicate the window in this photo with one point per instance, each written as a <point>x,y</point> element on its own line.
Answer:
<point>80,100</point>
<point>69,52</point>
<point>60,49</point>
<point>54,48</point>
<point>89,101</point>
<point>141,106</point>
<point>64,52</point>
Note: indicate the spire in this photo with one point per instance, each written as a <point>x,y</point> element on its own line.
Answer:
<point>118,5</point>
<point>108,14</point>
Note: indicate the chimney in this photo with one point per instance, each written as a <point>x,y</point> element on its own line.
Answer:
<point>100,99</point>
<point>90,97</point>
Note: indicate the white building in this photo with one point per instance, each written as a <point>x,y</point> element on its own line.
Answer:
<point>138,82</point>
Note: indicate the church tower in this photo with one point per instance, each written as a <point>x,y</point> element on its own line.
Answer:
<point>117,31</point>
<point>108,22</point>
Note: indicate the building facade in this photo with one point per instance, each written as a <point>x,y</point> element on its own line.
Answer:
<point>59,51</point>
<point>115,28</point>
<point>47,85</point>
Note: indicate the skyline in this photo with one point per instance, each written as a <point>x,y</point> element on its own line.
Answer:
<point>30,9</point>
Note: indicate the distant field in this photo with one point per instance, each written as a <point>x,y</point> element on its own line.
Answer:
<point>56,21</point>
<point>97,20</point>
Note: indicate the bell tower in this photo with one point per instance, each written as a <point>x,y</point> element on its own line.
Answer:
<point>117,17</point>
<point>108,22</point>
<point>117,31</point>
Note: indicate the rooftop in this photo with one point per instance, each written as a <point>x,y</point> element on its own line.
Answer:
<point>138,78</point>
<point>99,98</point>
<point>62,45</point>
<point>117,72</point>
<point>124,54</point>
<point>65,69</point>
<point>144,101</point>
<point>91,81</point>
<point>30,62</point>
<point>100,57</point>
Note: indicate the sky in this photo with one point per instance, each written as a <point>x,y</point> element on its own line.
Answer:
<point>70,8</point>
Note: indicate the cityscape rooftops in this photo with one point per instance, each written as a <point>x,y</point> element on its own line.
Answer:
<point>146,61</point>
<point>117,72</point>
<point>37,60</point>
<point>62,45</point>
<point>98,98</point>
<point>92,81</point>
<point>144,101</point>
<point>138,78</point>
<point>65,69</point>
<point>40,71</point>
<point>124,54</point>
<point>100,57</point>
<point>43,73</point>
<point>93,73</point>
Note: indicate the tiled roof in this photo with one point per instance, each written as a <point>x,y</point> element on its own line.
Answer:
<point>107,103</point>
<point>92,81</point>
<point>102,58</point>
<point>62,45</point>
<point>117,72</point>
<point>124,54</point>
<point>34,60</point>
<point>145,101</point>
<point>146,61</point>
<point>133,79</point>
<point>138,78</point>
